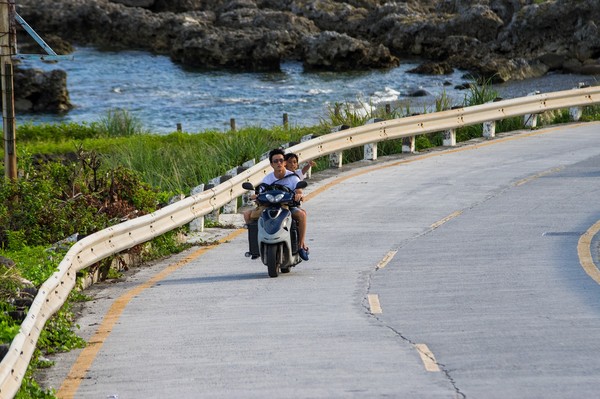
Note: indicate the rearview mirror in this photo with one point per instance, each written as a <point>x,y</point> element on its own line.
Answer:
<point>301,184</point>
<point>247,185</point>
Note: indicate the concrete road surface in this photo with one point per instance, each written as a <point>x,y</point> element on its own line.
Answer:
<point>448,274</point>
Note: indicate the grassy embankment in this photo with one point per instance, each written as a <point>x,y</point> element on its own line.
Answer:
<point>81,178</point>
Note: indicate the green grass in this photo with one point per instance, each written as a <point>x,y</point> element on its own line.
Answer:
<point>174,163</point>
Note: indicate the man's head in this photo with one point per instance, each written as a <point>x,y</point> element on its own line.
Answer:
<point>277,159</point>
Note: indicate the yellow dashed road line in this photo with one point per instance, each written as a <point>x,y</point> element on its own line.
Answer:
<point>536,176</point>
<point>374,305</point>
<point>446,219</point>
<point>584,250</point>
<point>386,259</point>
<point>427,358</point>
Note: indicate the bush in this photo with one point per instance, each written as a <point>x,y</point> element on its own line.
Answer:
<point>56,200</point>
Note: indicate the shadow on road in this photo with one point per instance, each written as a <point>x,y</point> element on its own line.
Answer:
<point>215,279</point>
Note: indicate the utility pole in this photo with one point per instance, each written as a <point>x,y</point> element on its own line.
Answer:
<point>7,50</point>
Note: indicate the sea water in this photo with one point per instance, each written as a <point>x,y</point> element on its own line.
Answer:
<point>162,94</point>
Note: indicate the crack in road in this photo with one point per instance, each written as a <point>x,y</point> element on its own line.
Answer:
<point>442,367</point>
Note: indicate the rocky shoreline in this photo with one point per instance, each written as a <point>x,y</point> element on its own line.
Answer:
<point>500,40</point>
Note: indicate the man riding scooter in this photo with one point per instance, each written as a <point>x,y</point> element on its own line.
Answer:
<point>284,177</point>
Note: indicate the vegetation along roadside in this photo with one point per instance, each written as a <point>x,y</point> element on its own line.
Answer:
<point>77,179</point>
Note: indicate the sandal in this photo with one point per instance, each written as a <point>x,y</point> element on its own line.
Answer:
<point>303,252</point>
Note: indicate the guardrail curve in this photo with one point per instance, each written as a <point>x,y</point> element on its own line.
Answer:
<point>93,248</point>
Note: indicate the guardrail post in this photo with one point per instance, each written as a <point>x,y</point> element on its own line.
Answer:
<point>214,215</point>
<point>530,120</point>
<point>231,206</point>
<point>449,138</point>
<point>197,224</point>
<point>408,144</point>
<point>246,200</point>
<point>576,112</point>
<point>370,150</point>
<point>335,160</point>
<point>489,129</point>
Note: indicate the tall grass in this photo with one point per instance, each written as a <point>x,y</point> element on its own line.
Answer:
<point>480,93</point>
<point>181,161</point>
<point>120,123</point>
<point>443,102</point>
<point>173,163</point>
<point>591,113</point>
<point>359,113</point>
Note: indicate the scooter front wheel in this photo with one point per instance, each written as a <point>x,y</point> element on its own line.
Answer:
<point>272,262</point>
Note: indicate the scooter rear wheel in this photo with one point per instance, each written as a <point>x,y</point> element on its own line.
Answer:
<point>272,262</point>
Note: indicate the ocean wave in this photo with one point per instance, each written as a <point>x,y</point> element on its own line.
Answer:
<point>385,96</point>
<point>314,92</point>
<point>236,100</point>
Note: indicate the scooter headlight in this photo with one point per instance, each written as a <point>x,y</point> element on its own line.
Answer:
<point>274,198</point>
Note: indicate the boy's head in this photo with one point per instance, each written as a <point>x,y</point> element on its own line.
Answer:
<point>291,161</point>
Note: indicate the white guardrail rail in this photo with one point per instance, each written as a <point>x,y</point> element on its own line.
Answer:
<point>91,249</point>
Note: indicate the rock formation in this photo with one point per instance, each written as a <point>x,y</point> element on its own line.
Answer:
<point>40,91</point>
<point>495,39</point>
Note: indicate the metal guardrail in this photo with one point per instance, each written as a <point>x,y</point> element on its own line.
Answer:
<point>91,249</point>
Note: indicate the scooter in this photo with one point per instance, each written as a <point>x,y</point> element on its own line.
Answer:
<point>274,236</point>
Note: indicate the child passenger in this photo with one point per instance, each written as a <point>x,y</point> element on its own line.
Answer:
<point>291,164</point>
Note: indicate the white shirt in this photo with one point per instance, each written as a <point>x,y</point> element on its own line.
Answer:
<point>289,180</point>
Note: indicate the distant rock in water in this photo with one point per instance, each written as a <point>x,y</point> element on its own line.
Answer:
<point>419,93</point>
<point>433,68</point>
<point>39,91</point>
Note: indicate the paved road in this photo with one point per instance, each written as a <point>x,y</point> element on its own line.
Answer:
<point>443,275</point>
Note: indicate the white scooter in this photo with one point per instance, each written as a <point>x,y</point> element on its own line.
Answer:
<point>274,236</point>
